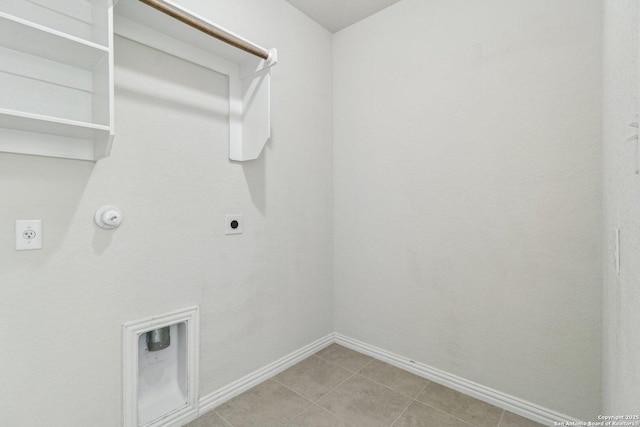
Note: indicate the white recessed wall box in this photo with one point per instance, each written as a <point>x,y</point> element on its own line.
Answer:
<point>160,373</point>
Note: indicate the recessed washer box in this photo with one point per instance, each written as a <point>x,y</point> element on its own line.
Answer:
<point>161,370</point>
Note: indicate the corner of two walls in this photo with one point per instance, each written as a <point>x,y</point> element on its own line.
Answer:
<point>468,192</point>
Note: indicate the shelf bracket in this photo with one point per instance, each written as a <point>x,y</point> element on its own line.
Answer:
<point>250,110</point>
<point>249,75</point>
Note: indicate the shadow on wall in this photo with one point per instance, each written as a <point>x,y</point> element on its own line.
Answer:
<point>101,239</point>
<point>43,188</point>
<point>183,109</point>
<point>255,176</point>
<point>162,80</point>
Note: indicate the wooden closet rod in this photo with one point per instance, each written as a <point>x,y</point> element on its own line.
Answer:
<point>207,28</point>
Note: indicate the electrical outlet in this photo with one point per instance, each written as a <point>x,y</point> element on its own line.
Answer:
<point>28,235</point>
<point>234,224</point>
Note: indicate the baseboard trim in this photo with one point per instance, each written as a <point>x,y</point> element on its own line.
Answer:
<point>230,391</point>
<point>502,400</point>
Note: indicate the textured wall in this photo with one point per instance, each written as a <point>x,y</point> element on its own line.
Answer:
<point>621,352</point>
<point>467,208</point>
<point>262,294</point>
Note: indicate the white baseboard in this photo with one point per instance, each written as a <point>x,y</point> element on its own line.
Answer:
<point>502,400</point>
<point>230,391</point>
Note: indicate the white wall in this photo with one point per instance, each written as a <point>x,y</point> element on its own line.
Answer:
<point>621,351</point>
<point>467,201</point>
<point>262,294</point>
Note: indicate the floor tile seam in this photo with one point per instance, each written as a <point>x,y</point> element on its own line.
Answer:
<point>333,413</point>
<point>333,389</point>
<point>422,391</point>
<point>298,414</point>
<point>290,389</point>
<point>410,397</point>
<point>311,402</point>
<point>299,395</point>
<point>402,413</point>
<point>322,396</point>
<point>365,365</point>
<point>340,366</point>
<point>353,375</point>
<point>462,394</point>
<point>223,418</point>
<point>445,412</point>
<point>323,358</point>
<point>415,399</point>
<point>283,384</point>
<point>501,417</point>
<point>318,400</point>
<point>359,372</point>
<point>389,388</point>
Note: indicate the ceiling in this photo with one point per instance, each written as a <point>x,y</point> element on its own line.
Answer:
<point>335,15</point>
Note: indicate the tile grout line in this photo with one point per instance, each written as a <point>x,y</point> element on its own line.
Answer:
<point>223,418</point>
<point>353,373</point>
<point>399,392</point>
<point>445,412</point>
<point>359,373</point>
<point>416,398</point>
<point>402,413</point>
<point>343,367</point>
<point>410,403</point>
<point>413,399</point>
<point>321,397</point>
<point>333,413</point>
<point>329,410</point>
<point>450,414</point>
<point>298,394</point>
<point>329,392</point>
<point>316,402</point>
<point>365,365</point>
<point>340,366</point>
<point>373,359</point>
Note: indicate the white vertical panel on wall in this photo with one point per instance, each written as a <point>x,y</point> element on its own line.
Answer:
<point>621,350</point>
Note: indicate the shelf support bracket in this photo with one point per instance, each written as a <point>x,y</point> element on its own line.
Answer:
<point>250,110</point>
<point>249,76</point>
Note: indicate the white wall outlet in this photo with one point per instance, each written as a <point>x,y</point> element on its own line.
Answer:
<point>234,224</point>
<point>28,234</point>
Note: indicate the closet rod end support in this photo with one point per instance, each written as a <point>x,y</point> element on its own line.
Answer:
<point>272,59</point>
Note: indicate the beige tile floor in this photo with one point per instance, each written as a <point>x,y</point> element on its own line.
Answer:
<point>339,387</point>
